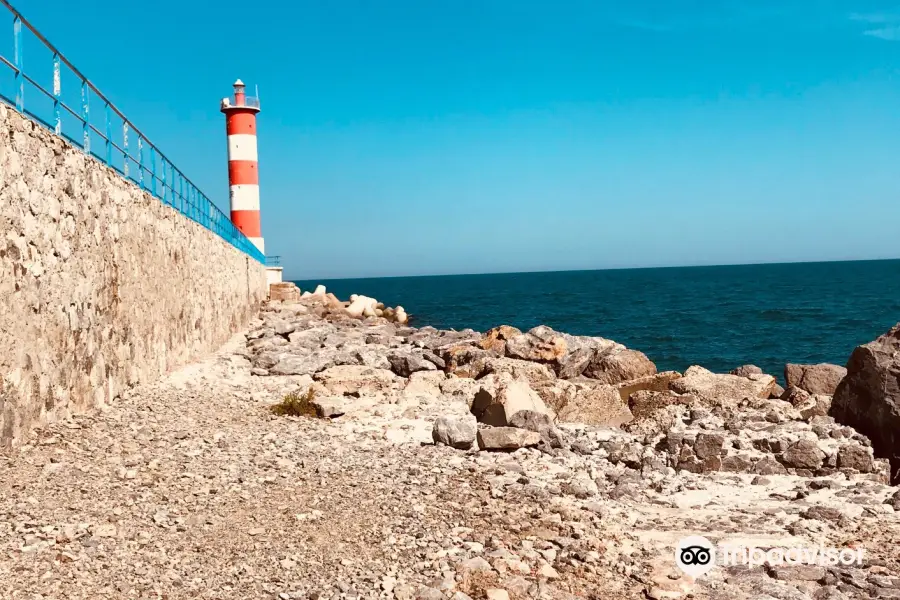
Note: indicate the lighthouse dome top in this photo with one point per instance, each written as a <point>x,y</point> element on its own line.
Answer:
<point>240,100</point>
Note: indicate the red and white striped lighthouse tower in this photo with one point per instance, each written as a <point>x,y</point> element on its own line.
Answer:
<point>243,164</point>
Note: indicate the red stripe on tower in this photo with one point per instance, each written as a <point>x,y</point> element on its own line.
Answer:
<point>243,163</point>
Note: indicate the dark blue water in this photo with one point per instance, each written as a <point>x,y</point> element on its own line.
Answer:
<point>718,317</point>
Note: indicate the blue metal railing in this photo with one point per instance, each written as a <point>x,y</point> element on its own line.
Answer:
<point>141,161</point>
<point>273,261</point>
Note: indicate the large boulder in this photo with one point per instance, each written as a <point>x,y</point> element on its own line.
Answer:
<point>501,396</point>
<point>457,433</point>
<point>581,350</point>
<point>616,367</point>
<point>506,438</point>
<point>556,393</point>
<point>803,454</point>
<point>822,378</point>
<point>868,398</point>
<point>598,405</point>
<point>644,404</point>
<point>356,379</point>
<point>405,363</point>
<point>464,360</point>
<point>653,383</point>
<point>540,423</point>
<point>722,389</point>
<point>538,344</point>
<point>293,364</point>
<point>535,373</point>
<point>495,339</point>
<point>746,371</point>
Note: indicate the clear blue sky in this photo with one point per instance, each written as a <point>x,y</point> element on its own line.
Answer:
<point>418,137</point>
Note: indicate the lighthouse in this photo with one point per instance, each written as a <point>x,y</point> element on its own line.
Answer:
<point>243,164</point>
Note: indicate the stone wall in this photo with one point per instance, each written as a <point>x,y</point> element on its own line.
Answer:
<point>101,284</point>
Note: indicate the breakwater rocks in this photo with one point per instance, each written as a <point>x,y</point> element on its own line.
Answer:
<point>586,423</point>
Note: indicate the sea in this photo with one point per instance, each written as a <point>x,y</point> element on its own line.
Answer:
<point>719,317</point>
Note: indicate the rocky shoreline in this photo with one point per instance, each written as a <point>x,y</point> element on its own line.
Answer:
<point>327,454</point>
<point>636,431</point>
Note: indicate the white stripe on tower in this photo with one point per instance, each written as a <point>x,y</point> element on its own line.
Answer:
<point>244,197</point>
<point>242,146</point>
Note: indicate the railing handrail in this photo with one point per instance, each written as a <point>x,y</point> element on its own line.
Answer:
<point>213,217</point>
<point>84,79</point>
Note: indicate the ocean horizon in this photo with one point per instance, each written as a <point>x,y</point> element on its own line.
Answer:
<point>717,316</point>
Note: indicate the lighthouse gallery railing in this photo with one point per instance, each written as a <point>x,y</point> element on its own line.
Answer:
<point>109,137</point>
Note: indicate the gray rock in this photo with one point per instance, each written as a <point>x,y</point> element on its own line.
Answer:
<point>822,513</point>
<point>767,465</point>
<point>804,454</point>
<point>581,486</point>
<point>737,463</point>
<point>894,501</point>
<point>722,389</point>
<point>573,363</point>
<point>535,373</point>
<point>708,445</point>
<point>373,356</point>
<point>506,438</point>
<point>500,397</point>
<point>434,359</point>
<point>427,593</point>
<point>405,364</point>
<point>301,365</point>
<point>616,367</point>
<point>329,407</point>
<point>868,398</point>
<point>851,456</point>
<point>539,344</point>
<point>457,433</point>
<point>822,378</point>
<point>539,423</point>
<point>285,327</point>
<point>595,404</point>
<point>746,371</point>
<point>474,564</point>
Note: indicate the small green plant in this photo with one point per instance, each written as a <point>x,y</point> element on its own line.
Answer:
<point>296,405</point>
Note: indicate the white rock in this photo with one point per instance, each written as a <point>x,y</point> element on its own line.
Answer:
<point>320,290</point>
<point>358,306</point>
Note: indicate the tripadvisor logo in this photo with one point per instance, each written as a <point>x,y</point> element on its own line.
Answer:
<point>696,556</point>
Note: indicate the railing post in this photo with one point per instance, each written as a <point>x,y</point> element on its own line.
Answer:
<point>125,147</point>
<point>141,160</point>
<point>57,90</point>
<point>85,116</point>
<point>108,135</point>
<point>18,60</point>
<point>152,170</point>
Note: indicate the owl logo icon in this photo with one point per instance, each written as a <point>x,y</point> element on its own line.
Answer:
<point>695,555</point>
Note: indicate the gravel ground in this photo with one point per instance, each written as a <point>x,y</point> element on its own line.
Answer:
<point>191,488</point>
